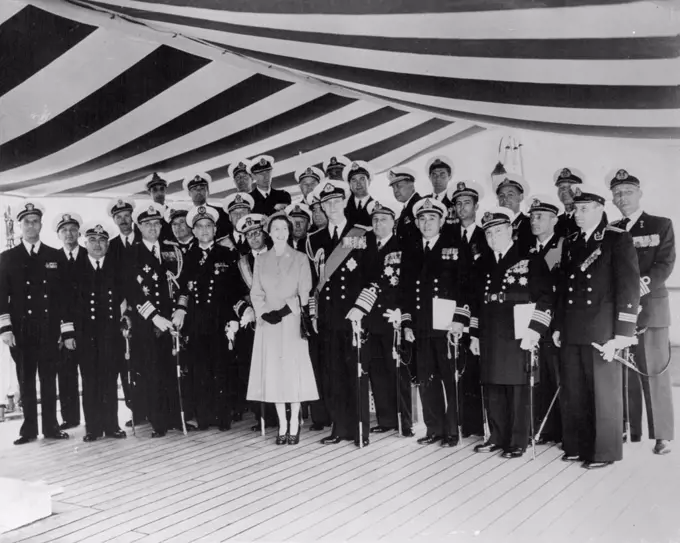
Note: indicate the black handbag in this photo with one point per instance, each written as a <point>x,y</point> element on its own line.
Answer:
<point>306,326</point>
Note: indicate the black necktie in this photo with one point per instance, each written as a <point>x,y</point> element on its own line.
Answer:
<point>335,235</point>
<point>466,235</point>
<point>70,256</point>
<point>623,224</point>
<point>99,266</point>
<point>426,249</point>
<point>540,247</point>
<point>498,257</point>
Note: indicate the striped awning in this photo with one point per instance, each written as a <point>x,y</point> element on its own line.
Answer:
<point>96,95</point>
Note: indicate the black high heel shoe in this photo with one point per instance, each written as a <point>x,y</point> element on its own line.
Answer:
<point>282,439</point>
<point>294,439</point>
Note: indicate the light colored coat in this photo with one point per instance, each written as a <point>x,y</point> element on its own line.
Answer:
<point>281,370</point>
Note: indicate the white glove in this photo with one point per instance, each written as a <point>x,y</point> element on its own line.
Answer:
<point>393,316</point>
<point>408,335</point>
<point>474,346</point>
<point>178,318</point>
<point>608,350</point>
<point>247,317</point>
<point>556,339</point>
<point>70,344</point>
<point>530,340</point>
<point>623,342</point>
<point>8,339</point>
<point>355,315</point>
<point>230,329</point>
<point>162,323</point>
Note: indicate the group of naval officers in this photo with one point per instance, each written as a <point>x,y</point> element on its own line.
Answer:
<point>506,321</point>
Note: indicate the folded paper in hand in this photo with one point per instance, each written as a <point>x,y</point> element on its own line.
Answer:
<point>442,313</point>
<point>522,314</point>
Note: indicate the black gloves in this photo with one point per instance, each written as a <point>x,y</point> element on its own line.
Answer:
<point>275,317</point>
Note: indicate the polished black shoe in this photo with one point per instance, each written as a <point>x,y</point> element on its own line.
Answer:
<point>224,426</point>
<point>570,457</point>
<point>487,447</point>
<point>23,440</point>
<point>380,429</point>
<point>364,442</point>
<point>408,432</point>
<point>294,439</point>
<point>67,425</point>
<point>331,440</point>
<point>450,441</point>
<point>57,435</point>
<point>282,439</point>
<point>89,438</point>
<point>118,434</point>
<point>428,440</point>
<point>159,433</point>
<point>596,465</point>
<point>513,453</point>
<point>316,427</point>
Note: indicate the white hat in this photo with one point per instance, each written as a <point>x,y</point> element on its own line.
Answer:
<point>429,205</point>
<point>116,205</point>
<point>331,188</point>
<point>176,209</point>
<point>464,188</point>
<point>310,171</point>
<point>439,161</point>
<point>238,200</point>
<point>196,179</point>
<point>299,210</point>
<point>356,167</point>
<point>401,173</point>
<point>374,207</point>
<point>29,207</point>
<point>148,211</point>
<point>252,221</point>
<point>545,202</point>
<point>261,163</point>
<point>66,218</point>
<point>197,213</point>
<point>238,166</point>
<point>335,161</point>
<point>496,216</point>
<point>512,180</point>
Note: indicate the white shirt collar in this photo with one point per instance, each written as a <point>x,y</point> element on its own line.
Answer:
<point>151,245</point>
<point>431,241</point>
<point>590,231</point>
<point>263,193</point>
<point>74,252</point>
<point>93,261</point>
<point>383,242</point>
<point>258,253</point>
<point>439,196</point>
<point>206,248</point>
<point>546,242</point>
<point>633,219</point>
<point>28,246</point>
<point>363,201</point>
<point>340,227</point>
<point>470,228</point>
<point>129,239</point>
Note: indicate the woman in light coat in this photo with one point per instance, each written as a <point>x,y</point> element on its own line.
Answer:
<point>281,371</point>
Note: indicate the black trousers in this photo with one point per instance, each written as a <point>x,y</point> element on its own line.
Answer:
<point>67,379</point>
<point>509,415</point>
<point>318,409</point>
<point>388,392</point>
<point>100,387</point>
<point>243,352</point>
<point>348,394</point>
<point>438,392</point>
<point>592,404</point>
<point>33,357</point>
<point>214,379</point>
<point>549,360</point>
<point>472,416</point>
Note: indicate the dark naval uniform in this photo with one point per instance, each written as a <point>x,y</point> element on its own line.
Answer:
<point>472,419</point>
<point>513,280</point>
<point>439,271</point>
<point>598,299</point>
<point>451,219</point>
<point>406,228</point>
<point>210,289</point>
<point>549,354</point>
<point>69,361</point>
<point>99,342</point>
<point>381,269</point>
<point>33,301</point>
<point>336,292</point>
<point>266,206</point>
<point>119,249</point>
<point>654,242</point>
<point>147,289</point>
<point>521,233</point>
<point>354,215</point>
<point>566,225</point>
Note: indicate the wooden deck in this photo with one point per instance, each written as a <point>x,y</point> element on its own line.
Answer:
<point>214,486</point>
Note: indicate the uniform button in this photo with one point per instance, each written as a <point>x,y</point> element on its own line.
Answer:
<point>28,297</point>
<point>417,299</point>
<point>91,301</point>
<point>328,297</point>
<point>92,310</point>
<point>571,276</point>
<point>487,287</point>
<point>571,289</point>
<point>417,307</point>
<point>503,287</point>
<point>29,311</point>
<point>28,282</point>
<point>110,316</point>
<point>44,280</point>
<point>571,301</point>
<point>417,282</point>
<point>379,305</point>
<point>589,302</point>
<point>45,310</point>
<point>417,290</point>
<point>45,295</point>
<point>590,289</point>
<point>342,296</point>
<point>588,276</point>
<point>436,280</point>
<point>92,317</point>
<point>343,287</point>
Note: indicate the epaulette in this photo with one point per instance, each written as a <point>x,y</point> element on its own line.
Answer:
<point>614,228</point>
